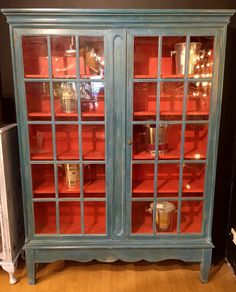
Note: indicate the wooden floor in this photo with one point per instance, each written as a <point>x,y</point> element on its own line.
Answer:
<point>174,276</point>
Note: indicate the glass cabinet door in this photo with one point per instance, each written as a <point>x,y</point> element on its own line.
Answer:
<point>168,110</point>
<point>65,96</point>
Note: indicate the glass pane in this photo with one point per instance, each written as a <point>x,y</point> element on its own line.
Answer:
<point>69,180</point>
<point>195,142</point>
<point>94,217</point>
<point>91,57</point>
<point>35,56</point>
<point>191,217</point>
<point>198,101</point>
<point>193,178</point>
<point>141,218</point>
<point>201,56</point>
<point>93,139</point>
<point>143,180</point>
<point>65,101</point>
<point>40,137</point>
<point>45,217</point>
<point>43,181</point>
<point>38,100</point>
<point>166,216</point>
<point>144,104</point>
<point>140,143</point>
<point>67,142</point>
<point>168,180</point>
<point>70,220</point>
<point>92,100</point>
<point>171,101</point>
<point>173,57</point>
<point>94,180</point>
<point>169,140</point>
<point>145,57</point>
<point>63,57</point>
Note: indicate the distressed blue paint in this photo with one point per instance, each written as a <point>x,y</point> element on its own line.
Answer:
<point>118,27</point>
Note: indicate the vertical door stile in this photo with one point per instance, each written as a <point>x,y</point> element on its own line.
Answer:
<point>119,122</point>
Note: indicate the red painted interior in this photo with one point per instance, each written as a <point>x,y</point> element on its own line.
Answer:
<point>93,142</point>
<point>70,217</point>
<point>145,57</point>
<point>35,60</point>
<point>191,218</point>
<point>67,142</point>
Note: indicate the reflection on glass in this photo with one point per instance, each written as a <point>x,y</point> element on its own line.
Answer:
<point>45,217</point>
<point>195,143</point>
<point>65,100</point>
<point>168,180</point>
<point>63,56</point>
<point>171,100</point>
<point>191,217</point>
<point>144,101</point>
<point>91,57</point>
<point>141,219</point>
<point>67,142</point>
<point>43,181</point>
<point>94,217</point>
<point>40,137</point>
<point>92,100</point>
<point>193,178</point>
<point>70,220</point>
<point>93,142</point>
<point>94,180</point>
<point>198,101</point>
<point>145,57</point>
<point>143,180</point>
<point>201,57</point>
<point>35,56</point>
<point>173,56</point>
<point>38,100</point>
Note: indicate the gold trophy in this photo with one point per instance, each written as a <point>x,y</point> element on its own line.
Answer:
<point>72,175</point>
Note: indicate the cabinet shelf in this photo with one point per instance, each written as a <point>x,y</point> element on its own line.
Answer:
<point>166,186</point>
<point>95,186</point>
<point>47,187</point>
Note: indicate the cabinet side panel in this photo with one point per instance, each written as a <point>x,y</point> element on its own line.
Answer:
<point>13,189</point>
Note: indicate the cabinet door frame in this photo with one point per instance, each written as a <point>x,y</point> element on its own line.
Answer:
<point>23,122</point>
<point>213,131</point>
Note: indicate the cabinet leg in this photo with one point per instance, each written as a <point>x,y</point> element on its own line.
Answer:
<point>30,265</point>
<point>205,264</point>
<point>10,269</point>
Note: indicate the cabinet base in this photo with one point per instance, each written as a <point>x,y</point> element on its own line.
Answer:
<point>50,254</point>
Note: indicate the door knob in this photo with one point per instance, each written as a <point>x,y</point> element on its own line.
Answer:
<point>129,142</point>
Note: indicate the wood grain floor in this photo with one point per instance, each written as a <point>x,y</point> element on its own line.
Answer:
<point>167,276</point>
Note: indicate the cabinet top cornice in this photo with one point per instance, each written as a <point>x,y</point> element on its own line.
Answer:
<point>58,16</point>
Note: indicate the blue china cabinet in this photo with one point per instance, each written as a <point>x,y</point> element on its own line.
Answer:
<point>118,114</point>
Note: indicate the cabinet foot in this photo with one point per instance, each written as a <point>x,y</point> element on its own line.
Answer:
<point>30,265</point>
<point>10,269</point>
<point>205,265</point>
